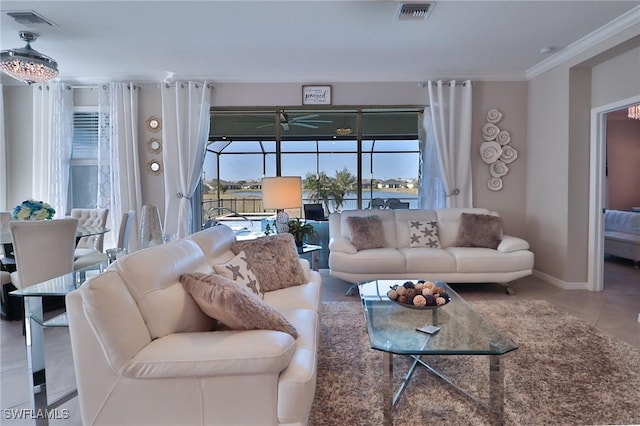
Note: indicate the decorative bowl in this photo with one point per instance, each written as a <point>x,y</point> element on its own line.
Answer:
<point>424,295</point>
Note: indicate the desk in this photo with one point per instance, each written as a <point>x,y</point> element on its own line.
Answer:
<point>34,338</point>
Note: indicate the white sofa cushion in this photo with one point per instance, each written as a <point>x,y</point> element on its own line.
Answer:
<point>153,279</point>
<point>420,259</point>
<point>121,330</point>
<point>220,353</point>
<point>383,261</point>
<point>301,296</point>
<point>479,260</point>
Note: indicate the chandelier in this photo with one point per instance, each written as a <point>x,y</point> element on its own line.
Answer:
<point>634,112</point>
<point>26,64</point>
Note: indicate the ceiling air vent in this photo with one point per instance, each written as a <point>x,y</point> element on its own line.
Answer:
<point>414,11</point>
<point>30,18</point>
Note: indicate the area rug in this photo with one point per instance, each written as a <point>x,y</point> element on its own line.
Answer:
<point>565,372</point>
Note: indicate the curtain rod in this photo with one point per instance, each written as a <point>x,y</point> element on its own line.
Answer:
<point>458,83</point>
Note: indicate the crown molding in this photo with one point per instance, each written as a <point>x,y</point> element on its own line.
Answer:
<point>621,23</point>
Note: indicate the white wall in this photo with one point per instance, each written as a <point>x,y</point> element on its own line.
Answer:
<point>558,151</point>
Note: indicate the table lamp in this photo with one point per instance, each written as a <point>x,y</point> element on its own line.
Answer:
<point>279,193</point>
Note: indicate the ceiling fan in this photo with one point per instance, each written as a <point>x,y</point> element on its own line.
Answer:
<point>302,121</point>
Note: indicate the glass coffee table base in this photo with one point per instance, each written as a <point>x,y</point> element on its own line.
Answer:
<point>495,407</point>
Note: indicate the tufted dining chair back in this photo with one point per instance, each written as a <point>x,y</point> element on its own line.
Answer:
<point>126,224</point>
<point>43,249</point>
<point>90,217</point>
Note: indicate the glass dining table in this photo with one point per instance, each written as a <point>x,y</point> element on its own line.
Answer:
<point>35,323</point>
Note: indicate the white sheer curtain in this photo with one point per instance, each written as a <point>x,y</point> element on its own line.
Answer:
<point>119,182</point>
<point>185,131</point>
<point>3,156</point>
<point>431,192</point>
<point>451,114</point>
<point>52,134</point>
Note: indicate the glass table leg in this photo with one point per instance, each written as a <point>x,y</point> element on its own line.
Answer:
<point>34,338</point>
<point>387,391</point>
<point>496,390</point>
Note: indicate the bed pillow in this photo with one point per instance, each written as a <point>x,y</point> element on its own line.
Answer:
<point>424,234</point>
<point>479,230</point>
<point>366,232</point>
<point>229,302</point>
<point>274,261</point>
<point>238,270</point>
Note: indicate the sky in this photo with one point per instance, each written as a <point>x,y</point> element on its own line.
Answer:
<point>386,165</point>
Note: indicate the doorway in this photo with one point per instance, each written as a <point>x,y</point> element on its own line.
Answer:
<point>597,185</point>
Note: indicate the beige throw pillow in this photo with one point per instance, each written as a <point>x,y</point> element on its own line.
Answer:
<point>238,270</point>
<point>229,303</point>
<point>274,260</point>
<point>366,232</point>
<point>479,230</point>
<point>424,234</point>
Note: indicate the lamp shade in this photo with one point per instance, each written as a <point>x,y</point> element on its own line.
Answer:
<point>282,192</point>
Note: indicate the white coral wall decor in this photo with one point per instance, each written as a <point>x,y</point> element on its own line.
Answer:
<point>495,150</point>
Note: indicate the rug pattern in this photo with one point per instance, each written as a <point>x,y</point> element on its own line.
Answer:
<point>565,372</point>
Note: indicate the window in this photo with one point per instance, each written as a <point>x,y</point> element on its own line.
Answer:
<point>89,169</point>
<point>378,148</point>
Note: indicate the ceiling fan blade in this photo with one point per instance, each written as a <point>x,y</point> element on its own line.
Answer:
<point>315,121</point>
<point>304,117</point>
<point>300,124</point>
<point>264,125</point>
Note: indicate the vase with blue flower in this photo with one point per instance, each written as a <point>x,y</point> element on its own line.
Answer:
<point>33,210</point>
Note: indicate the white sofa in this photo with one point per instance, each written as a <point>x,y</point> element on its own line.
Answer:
<point>511,260</point>
<point>622,234</point>
<point>144,353</point>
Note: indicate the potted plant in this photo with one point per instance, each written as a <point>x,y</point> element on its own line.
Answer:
<point>299,230</point>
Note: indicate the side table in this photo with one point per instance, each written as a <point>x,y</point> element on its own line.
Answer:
<point>315,253</point>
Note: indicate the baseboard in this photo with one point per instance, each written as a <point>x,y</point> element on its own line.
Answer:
<point>565,285</point>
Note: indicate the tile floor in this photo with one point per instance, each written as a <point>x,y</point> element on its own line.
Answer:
<point>614,310</point>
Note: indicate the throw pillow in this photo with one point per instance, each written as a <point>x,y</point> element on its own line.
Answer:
<point>229,303</point>
<point>424,234</point>
<point>366,232</point>
<point>479,230</point>
<point>238,270</point>
<point>274,260</point>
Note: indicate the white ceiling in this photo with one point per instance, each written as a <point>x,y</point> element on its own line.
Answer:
<point>306,41</point>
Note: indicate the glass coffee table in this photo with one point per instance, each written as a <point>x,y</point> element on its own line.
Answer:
<point>463,331</point>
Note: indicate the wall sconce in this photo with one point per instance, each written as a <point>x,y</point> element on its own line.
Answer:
<point>279,193</point>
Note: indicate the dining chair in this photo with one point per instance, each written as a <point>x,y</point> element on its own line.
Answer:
<point>124,234</point>
<point>43,249</point>
<point>90,217</point>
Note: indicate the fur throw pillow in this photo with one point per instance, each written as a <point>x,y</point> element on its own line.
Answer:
<point>233,304</point>
<point>479,230</point>
<point>366,232</point>
<point>274,261</point>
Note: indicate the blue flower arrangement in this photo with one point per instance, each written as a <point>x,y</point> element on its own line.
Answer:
<point>33,210</point>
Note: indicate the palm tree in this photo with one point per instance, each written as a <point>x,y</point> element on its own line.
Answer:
<point>318,186</point>
<point>343,183</point>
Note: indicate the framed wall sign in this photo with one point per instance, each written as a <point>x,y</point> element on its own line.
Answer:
<point>316,95</point>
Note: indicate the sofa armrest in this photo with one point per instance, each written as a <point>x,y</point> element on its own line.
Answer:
<point>213,353</point>
<point>342,244</point>
<point>510,244</point>
<point>306,267</point>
